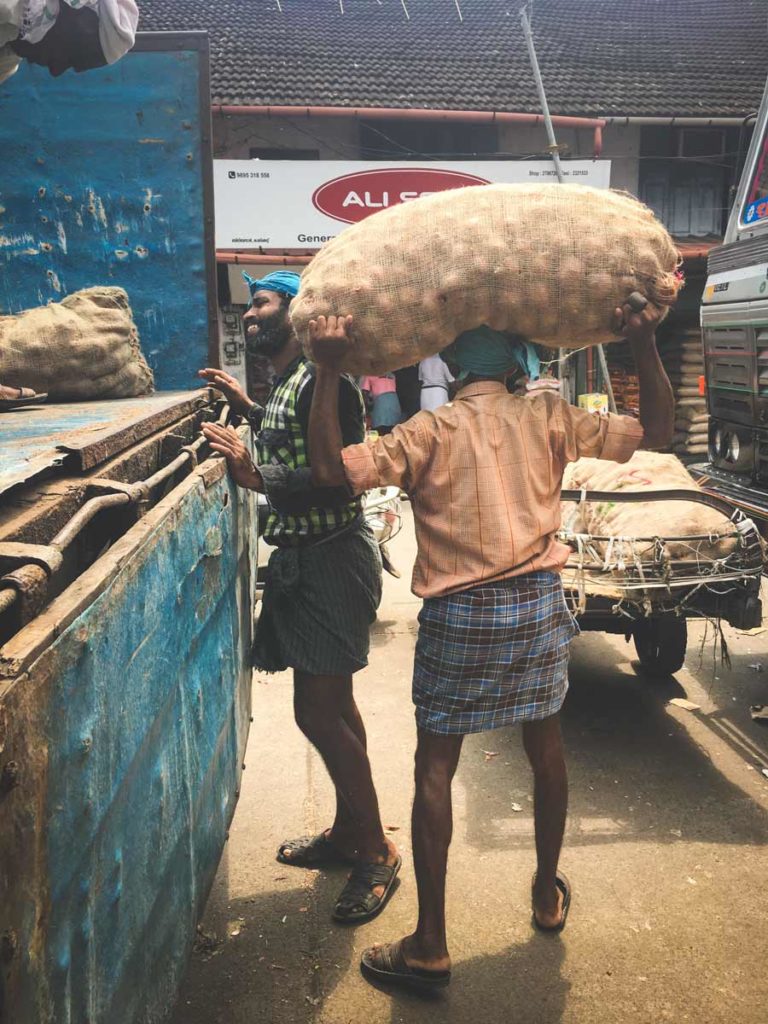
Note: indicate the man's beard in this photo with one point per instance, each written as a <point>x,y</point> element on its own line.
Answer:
<point>273,335</point>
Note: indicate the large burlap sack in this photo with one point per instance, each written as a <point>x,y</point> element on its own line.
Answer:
<point>84,347</point>
<point>550,262</point>
<point>667,519</point>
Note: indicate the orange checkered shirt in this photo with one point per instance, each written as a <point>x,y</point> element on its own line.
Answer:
<point>484,474</point>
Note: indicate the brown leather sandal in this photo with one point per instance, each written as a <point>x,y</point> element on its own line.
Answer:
<point>386,964</point>
<point>357,901</point>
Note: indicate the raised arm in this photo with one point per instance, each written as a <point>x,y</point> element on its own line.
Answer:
<point>657,403</point>
<point>329,342</point>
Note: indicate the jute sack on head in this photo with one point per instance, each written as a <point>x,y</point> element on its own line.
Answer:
<point>649,471</point>
<point>84,347</point>
<point>549,262</point>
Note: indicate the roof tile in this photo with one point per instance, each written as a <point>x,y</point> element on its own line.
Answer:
<point>609,57</point>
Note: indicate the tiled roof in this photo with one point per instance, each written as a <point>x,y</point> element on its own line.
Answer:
<point>700,58</point>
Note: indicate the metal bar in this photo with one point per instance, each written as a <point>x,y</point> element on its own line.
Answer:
<point>166,471</point>
<point>188,452</point>
<point>606,378</point>
<point>542,94</point>
<point>67,534</point>
<point>562,367</point>
<point>683,538</point>
<point>92,507</point>
<point>673,494</point>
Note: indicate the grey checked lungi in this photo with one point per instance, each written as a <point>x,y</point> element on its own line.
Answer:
<point>493,655</point>
<point>319,603</point>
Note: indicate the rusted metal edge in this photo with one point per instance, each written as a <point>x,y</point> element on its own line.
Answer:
<point>100,445</point>
<point>29,643</point>
<point>110,441</point>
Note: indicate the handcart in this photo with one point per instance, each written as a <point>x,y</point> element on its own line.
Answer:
<point>638,587</point>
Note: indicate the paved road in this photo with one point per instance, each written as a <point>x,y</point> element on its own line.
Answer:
<point>666,848</point>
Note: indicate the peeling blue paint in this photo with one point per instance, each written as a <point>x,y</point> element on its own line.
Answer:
<point>131,728</point>
<point>101,170</point>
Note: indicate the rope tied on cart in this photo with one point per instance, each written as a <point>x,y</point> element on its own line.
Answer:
<point>694,574</point>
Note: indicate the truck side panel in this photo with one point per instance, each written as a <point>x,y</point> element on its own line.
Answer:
<point>126,739</point>
<point>106,180</point>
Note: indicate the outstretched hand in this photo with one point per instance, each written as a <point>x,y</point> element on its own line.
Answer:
<point>329,340</point>
<point>229,387</point>
<point>226,442</point>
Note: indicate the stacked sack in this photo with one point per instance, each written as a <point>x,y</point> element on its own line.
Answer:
<point>683,358</point>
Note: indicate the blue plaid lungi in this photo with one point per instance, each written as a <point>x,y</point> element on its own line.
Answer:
<point>493,655</point>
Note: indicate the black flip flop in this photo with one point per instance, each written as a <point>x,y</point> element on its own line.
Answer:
<point>564,886</point>
<point>386,965</point>
<point>357,902</point>
<point>312,852</point>
<point>26,397</point>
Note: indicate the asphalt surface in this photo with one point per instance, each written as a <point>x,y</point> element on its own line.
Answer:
<point>665,847</point>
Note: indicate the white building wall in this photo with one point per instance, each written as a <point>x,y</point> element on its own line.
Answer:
<point>338,139</point>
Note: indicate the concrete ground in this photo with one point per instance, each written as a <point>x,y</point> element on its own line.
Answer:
<point>666,850</point>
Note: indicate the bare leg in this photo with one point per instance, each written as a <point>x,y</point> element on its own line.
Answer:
<point>343,831</point>
<point>432,826</point>
<point>543,744</point>
<point>322,706</point>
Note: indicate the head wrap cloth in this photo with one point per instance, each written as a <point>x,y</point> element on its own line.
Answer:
<point>283,281</point>
<point>488,353</point>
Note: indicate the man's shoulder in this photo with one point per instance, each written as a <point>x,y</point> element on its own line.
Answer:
<point>547,402</point>
<point>348,382</point>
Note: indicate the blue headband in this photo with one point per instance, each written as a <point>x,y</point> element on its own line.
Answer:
<point>284,281</point>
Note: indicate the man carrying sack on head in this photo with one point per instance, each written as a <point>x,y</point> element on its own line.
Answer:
<point>321,593</point>
<point>484,474</point>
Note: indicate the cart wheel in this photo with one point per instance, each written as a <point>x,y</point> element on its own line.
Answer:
<point>661,644</point>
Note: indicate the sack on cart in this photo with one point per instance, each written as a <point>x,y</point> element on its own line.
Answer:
<point>639,523</point>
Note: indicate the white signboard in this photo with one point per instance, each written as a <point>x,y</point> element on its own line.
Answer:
<point>300,204</point>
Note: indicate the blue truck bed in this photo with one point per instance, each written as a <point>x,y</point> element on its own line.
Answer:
<point>127,558</point>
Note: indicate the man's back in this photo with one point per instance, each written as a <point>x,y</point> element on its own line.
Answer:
<point>484,474</point>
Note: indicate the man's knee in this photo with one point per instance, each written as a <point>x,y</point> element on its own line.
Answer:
<point>319,703</point>
<point>543,744</point>
<point>434,767</point>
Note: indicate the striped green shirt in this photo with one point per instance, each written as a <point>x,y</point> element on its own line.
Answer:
<point>282,441</point>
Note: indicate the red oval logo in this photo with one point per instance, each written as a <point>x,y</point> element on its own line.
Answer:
<point>354,197</point>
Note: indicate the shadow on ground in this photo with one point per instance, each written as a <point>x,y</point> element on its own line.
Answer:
<point>264,948</point>
<point>635,772</point>
<point>523,983</point>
